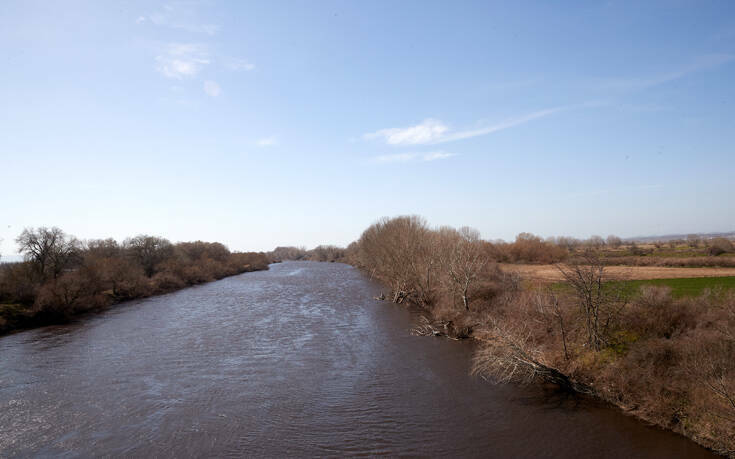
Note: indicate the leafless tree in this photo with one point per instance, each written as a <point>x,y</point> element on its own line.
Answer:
<point>149,251</point>
<point>614,241</point>
<point>287,253</point>
<point>596,242</point>
<point>464,259</point>
<point>511,354</point>
<point>49,250</point>
<point>402,252</point>
<point>600,304</point>
<point>719,245</point>
<point>712,364</point>
<point>568,242</point>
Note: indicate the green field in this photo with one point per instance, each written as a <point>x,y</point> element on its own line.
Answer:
<point>680,287</point>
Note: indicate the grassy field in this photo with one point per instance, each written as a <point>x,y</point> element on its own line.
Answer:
<point>680,288</point>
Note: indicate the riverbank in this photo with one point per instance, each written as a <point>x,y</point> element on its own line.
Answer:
<point>63,277</point>
<point>19,317</point>
<point>666,360</point>
<point>648,386</point>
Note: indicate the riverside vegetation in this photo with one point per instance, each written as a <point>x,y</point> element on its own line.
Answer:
<point>667,359</point>
<point>63,276</point>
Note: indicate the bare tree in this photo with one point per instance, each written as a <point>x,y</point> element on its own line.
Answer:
<point>402,252</point>
<point>600,304</point>
<point>711,365</point>
<point>614,241</point>
<point>511,354</point>
<point>149,251</point>
<point>596,241</point>
<point>719,245</point>
<point>49,250</point>
<point>568,242</point>
<point>464,261</point>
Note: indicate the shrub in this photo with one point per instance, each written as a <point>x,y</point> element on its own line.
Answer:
<point>166,282</point>
<point>654,313</point>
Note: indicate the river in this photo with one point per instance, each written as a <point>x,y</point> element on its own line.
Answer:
<point>298,360</point>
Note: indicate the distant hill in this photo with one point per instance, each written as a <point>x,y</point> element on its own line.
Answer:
<point>669,237</point>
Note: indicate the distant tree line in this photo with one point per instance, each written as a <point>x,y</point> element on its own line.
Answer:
<point>62,276</point>
<point>330,253</point>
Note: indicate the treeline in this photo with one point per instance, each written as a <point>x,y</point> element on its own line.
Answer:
<point>694,252</point>
<point>324,253</point>
<point>63,276</point>
<point>532,249</point>
<point>669,361</point>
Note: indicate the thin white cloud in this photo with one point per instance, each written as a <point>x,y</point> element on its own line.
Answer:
<point>702,63</point>
<point>509,123</point>
<point>182,60</point>
<point>406,157</point>
<point>212,88</point>
<point>396,158</point>
<point>234,63</point>
<point>180,16</point>
<point>433,156</point>
<point>267,142</point>
<point>429,131</point>
<point>433,131</point>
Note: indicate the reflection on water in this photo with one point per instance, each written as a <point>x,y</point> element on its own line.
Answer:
<point>298,360</point>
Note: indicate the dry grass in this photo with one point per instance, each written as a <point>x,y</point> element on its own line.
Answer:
<point>550,273</point>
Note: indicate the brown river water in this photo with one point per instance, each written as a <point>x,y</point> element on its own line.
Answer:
<point>295,361</point>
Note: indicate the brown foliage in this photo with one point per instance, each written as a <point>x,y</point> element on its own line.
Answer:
<point>287,253</point>
<point>720,245</point>
<point>669,361</point>
<point>63,277</point>
<point>529,248</point>
<point>671,262</point>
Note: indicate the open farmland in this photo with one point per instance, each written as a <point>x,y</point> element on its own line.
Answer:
<point>550,273</point>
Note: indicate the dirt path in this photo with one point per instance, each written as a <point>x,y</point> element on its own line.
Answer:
<point>551,273</point>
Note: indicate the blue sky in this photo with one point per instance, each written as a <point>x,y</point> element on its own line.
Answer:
<point>299,123</point>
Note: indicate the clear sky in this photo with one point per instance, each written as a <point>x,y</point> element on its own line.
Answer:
<point>297,123</point>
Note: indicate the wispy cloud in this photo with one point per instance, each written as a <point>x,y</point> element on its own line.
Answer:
<point>267,142</point>
<point>212,88</point>
<point>182,60</point>
<point>433,131</point>
<point>508,123</point>
<point>180,16</point>
<point>429,131</point>
<point>186,60</point>
<point>234,63</point>
<point>702,63</point>
<point>433,156</point>
<point>406,157</point>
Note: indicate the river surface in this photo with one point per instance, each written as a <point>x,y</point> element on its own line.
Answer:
<point>295,361</point>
